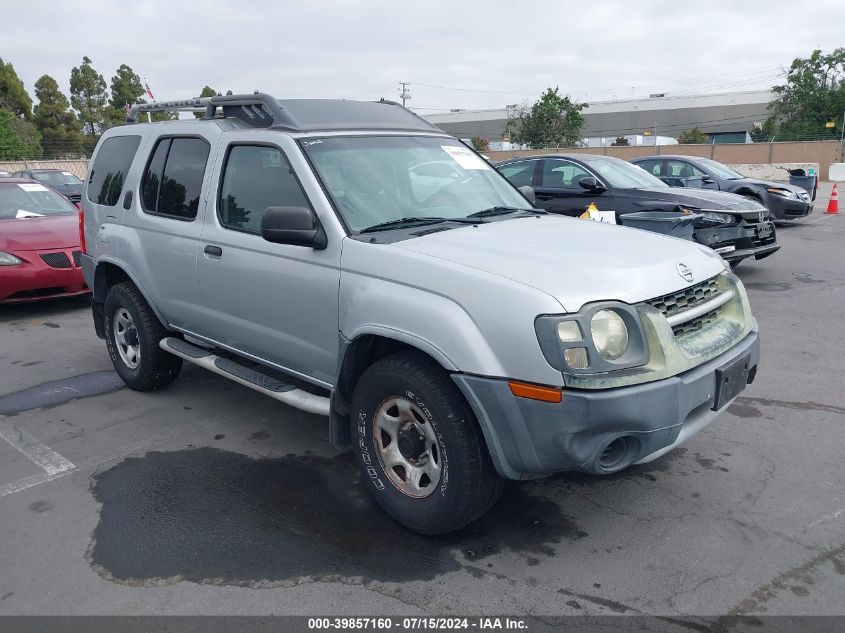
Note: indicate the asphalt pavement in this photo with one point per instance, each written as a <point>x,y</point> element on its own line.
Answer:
<point>208,498</point>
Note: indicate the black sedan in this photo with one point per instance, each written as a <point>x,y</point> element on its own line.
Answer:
<point>784,201</point>
<point>735,227</point>
<point>58,180</point>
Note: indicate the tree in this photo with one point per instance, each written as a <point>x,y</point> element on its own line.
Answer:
<point>18,138</point>
<point>553,121</point>
<point>692,136</point>
<point>812,95</point>
<point>13,95</point>
<point>208,91</point>
<point>60,129</point>
<point>621,141</point>
<point>126,89</point>
<point>88,96</point>
<point>480,144</point>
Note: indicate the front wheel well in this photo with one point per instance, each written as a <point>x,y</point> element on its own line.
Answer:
<point>360,354</point>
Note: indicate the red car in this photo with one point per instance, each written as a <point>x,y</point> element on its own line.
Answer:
<point>39,243</point>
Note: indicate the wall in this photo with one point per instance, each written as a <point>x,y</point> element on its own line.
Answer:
<point>76,167</point>
<point>821,153</point>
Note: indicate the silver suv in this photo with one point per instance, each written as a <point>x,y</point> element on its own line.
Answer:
<point>351,260</point>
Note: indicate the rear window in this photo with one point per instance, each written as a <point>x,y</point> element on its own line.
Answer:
<point>108,173</point>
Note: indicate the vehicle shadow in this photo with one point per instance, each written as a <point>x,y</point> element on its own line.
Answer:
<point>47,307</point>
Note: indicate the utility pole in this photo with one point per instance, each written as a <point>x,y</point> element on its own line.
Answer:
<point>405,91</point>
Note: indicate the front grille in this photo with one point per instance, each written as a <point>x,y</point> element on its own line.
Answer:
<point>77,258</point>
<point>682,329</point>
<point>56,260</point>
<point>687,298</point>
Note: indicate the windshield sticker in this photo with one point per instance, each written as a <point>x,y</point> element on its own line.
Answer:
<point>464,157</point>
<point>32,187</point>
<point>28,214</point>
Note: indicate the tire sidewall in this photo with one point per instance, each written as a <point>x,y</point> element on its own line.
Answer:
<point>116,300</point>
<point>421,514</point>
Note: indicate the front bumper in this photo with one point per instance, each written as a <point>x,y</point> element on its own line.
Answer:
<point>529,438</point>
<point>781,208</point>
<point>741,241</point>
<point>34,279</point>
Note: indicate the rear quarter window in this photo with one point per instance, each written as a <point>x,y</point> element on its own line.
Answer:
<point>108,173</point>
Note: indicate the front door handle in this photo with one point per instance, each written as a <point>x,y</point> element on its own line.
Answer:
<point>214,251</point>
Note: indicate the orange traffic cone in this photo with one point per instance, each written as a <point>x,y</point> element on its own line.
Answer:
<point>833,205</point>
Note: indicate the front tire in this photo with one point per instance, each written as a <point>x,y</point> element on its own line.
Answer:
<point>133,333</point>
<point>419,446</point>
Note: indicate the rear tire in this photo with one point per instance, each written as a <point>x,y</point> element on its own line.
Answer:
<point>409,418</point>
<point>133,333</point>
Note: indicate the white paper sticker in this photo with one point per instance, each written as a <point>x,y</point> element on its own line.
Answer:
<point>28,214</point>
<point>608,217</point>
<point>27,186</point>
<point>67,173</point>
<point>464,157</point>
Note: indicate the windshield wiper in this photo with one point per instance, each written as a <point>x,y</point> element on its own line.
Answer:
<point>486,213</point>
<point>412,221</point>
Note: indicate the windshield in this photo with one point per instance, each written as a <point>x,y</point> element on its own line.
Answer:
<point>719,170</point>
<point>53,178</point>
<point>378,179</point>
<point>621,174</point>
<point>31,200</point>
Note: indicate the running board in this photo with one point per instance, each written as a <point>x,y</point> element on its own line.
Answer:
<point>263,383</point>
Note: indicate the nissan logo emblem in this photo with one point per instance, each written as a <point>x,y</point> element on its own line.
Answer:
<point>684,271</point>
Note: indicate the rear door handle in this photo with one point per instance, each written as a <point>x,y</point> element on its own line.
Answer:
<point>214,251</point>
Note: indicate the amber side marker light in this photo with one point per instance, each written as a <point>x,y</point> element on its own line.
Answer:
<point>533,392</point>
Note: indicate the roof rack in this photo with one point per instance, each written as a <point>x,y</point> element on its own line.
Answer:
<point>295,115</point>
<point>257,109</point>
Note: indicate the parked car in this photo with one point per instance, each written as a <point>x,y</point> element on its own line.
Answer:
<point>39,243</point>
<point>784,201</point>
<point>454,338</point>
<point>735,227</point>
<point>5,174</point>
<point>62,181</point>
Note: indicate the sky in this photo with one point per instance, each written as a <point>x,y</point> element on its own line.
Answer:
<point>469,55</point>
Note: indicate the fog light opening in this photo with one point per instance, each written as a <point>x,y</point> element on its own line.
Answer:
<point>618,454</point>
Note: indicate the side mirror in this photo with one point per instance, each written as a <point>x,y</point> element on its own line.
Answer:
<point>528,192</point>
<point>297,226</point>
<point>588,182</point>
<point>707,180</point>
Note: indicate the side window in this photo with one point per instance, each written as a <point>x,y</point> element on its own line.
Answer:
<point>105,179</point>
<point>254,178</point>
<point>651,166</point>
<point>519,173</point>
<point>562,173</point>
<point>173,179</point>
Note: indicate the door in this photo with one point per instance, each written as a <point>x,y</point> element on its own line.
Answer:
<point>275,302</point>
<point>163,223</point>
<point>559,190</point>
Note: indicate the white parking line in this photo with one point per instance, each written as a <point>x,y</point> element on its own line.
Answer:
<point>832,515</point>
<point>94,462</point>
<point>42,456</point>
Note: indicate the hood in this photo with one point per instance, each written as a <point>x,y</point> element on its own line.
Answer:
<point>575,261</point>
<point>700,198</point>
<point>33,234</point>
<point>67,190</point>
<point>770,183</point>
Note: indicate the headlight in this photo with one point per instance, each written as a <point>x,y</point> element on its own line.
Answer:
<point>602,337</point>
<point>7,259</point>
<point>610,335</point>
<point>784,193</point>
<point>713,218</point>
